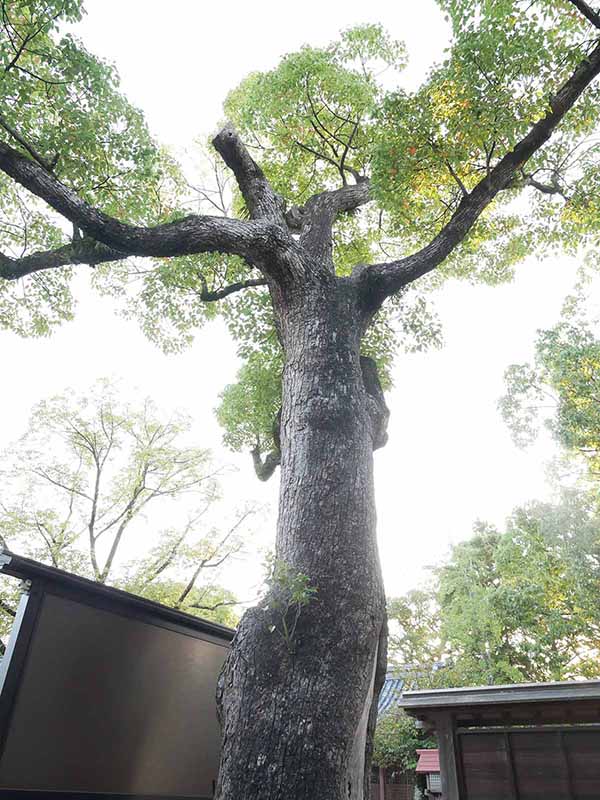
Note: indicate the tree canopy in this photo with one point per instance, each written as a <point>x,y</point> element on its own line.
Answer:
<point>559,389</point>
<point>522,603</point>
<point>463,146</point>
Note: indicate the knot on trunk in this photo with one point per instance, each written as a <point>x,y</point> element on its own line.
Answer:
<point>295,217</point>
<point>377,409</point>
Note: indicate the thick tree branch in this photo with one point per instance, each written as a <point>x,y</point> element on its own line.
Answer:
<point>260,198</point>
<point>193,234</point>
<point>320,213</point>
<point>380,280</point>
<point>525,179</point>
<point>81,251</point>
<point>545,188</point>
<point>587,11</point>
<point>87,251</point>
<point>264,469</point>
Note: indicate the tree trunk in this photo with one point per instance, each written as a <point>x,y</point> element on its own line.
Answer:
<point>296,712</point>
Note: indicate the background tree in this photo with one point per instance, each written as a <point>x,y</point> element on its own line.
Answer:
<point>560,390</point>
<point>397,739</point>
<point>512,606</point>
<point>309,284</point>
<point>415,648</point>
<point>505,607</point>
<point>87,486</point>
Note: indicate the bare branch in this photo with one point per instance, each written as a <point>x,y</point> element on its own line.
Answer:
<point>206,562</point>
<point>322,157</point>
<point>455,176</point>
<point>48,539</point>
<point>380,280</point>
<point>221,604</point>
<point>161,565</point>
<point>91,525</point>
<point>218,294</point>
<point>71,490</point>
<point>347,148</point>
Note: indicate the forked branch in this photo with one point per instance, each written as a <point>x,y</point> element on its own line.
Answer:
<point>193,234</point>
<point>320,212</point>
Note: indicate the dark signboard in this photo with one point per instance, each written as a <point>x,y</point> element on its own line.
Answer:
<point>106,695</point>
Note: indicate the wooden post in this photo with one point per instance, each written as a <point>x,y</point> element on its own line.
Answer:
<point>381,783</point>
<point>567,765</point>
<point>514,789</point>
<point>444,726</point>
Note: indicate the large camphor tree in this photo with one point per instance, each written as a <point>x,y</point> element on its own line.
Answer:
<point>348,190</point>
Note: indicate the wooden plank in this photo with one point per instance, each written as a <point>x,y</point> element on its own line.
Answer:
<point>590,726</point>
<point>415,701</point>
<point>565,757</point>
<point>485,767</point>
<point>583,749</point>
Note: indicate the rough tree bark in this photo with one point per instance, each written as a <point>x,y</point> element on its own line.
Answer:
<point>297,712</point>
<point>302,710</point>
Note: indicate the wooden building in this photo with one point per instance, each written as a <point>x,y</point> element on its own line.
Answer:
<point>520,742</point>
<point>392,784</point>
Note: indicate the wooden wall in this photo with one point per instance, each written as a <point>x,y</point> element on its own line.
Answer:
<point>390,784</point>
<point>558,764</point>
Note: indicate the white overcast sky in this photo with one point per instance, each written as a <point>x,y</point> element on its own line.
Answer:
<point>450,459</point>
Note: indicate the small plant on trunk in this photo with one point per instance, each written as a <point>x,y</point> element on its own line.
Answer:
<point>289,592</point>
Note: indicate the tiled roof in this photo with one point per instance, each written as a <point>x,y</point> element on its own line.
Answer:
<point>429,761</point>
<point>390,694</point>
